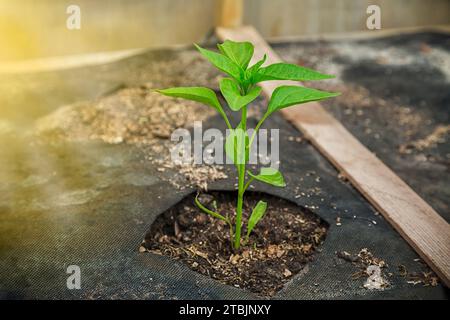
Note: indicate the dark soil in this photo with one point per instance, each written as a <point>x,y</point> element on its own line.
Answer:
<point>280,246</point>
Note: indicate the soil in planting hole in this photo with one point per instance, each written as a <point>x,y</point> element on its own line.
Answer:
<point>280,246</point>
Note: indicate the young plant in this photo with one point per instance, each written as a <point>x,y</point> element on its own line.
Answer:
<point>239,90</point>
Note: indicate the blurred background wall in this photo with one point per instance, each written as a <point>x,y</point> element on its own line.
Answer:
<point>37,28</point>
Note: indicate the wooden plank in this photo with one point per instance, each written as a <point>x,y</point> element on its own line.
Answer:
<point>424,229</point>
<point>65,62</point>
<point>359,34</point>
<point>230,14</point>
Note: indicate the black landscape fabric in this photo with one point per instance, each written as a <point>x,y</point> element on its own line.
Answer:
<point>70,198</point>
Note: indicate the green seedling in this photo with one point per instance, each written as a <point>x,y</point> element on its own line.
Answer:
<point>239,90</point>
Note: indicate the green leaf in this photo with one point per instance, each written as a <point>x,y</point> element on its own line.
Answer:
<point>239,52</point>
<point>257,214</point>
<point>199,94</point>
<point>287,71</point>
<point>206,210</point>
<point>232,94</point>
<point>286,96</point>
<point>270,176</point>
<point>252,71</point>
<point>254,68</point>
<point>236,145</point>
<point>221,62</point>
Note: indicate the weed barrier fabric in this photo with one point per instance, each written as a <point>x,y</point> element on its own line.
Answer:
<point>395,100</point>
<point>90,203</point>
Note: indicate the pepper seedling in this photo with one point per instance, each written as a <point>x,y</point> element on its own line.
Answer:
<point>239,90</point>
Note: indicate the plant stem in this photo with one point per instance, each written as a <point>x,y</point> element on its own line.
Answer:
<point>248,183</point>
<point>256,129</point>
<point>237,234</point>
<point>241,189</point>
<point>224,116</point>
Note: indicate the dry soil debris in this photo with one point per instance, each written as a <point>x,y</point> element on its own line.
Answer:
<point>439,135</point>
<point>370,267</point>
<point>139,117</point>
<point>132,115</point>
<point>425,276</point>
